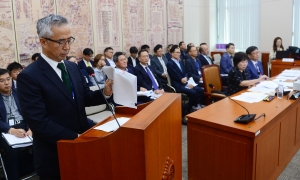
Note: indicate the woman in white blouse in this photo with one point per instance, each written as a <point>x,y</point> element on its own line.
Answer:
<point>99,63</point>
<point>277,46</point>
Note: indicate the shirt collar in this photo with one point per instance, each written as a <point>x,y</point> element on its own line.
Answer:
<point>51,62</point>
<point>143,65</point>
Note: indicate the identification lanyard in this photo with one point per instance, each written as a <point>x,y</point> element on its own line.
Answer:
<point>11,118</point>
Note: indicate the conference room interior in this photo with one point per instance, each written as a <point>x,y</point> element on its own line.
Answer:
<point>212,22</point>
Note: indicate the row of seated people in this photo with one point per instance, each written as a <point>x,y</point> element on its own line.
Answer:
<point>149,77</point>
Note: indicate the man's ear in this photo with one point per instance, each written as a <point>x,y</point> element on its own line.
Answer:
<point>43,42</point>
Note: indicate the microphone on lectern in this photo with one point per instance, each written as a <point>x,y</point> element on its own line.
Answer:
<point>243,119</point>
<point>90,71</point>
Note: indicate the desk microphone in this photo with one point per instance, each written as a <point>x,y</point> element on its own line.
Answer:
<point>243,119</point>
<point>90,71</point>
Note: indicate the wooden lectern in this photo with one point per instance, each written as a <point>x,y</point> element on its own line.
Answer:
<point>148,146</point>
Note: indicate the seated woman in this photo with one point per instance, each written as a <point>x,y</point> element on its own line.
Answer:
<point>277,46</point>
<point>99,63</point>
<point>237,77</point>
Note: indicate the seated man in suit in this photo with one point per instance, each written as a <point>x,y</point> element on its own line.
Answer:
<point>108,52</point>
<point>182,47</point>
<point>193,65</point>
<point>86,59</point>
<point>14,69</point>
<point>168,55</point>
<point>35,56</point>
<point>122,62</point>
<point>86,62</point>
<point>254,68</point>
<point>179,80</point>
<point>12,122</point>
<point>145,74</point>
<point>132,59</point>
<point>203,56</point>
<point>146,47</point>
<point>226,62</point>
<point>159,62</point>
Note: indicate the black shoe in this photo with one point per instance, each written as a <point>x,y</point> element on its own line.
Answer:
<point>183,121</point>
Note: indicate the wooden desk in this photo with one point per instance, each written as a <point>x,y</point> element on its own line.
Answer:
<point>278,66</point>
<point>144,148</point>
<point>220,149</point>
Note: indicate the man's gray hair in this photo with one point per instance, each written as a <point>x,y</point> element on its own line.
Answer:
<point>44,25</point>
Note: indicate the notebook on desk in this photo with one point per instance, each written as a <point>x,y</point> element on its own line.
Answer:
<point>282,54</point>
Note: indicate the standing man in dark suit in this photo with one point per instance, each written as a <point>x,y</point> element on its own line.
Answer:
<point>226,63</point>
<point>179,80</point>
<point>203,56</point>
<point>14,69</point>
<point>53,95</point>
<point>254,68</point>
<point>108,52</point>
<point>193,65</point>
<point>146,74</point>
<point>159,62</point>
<point>132,59</point>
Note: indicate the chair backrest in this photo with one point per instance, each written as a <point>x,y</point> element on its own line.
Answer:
<point>217,59</point>
<point>94,109</point>
<point>211,75</point>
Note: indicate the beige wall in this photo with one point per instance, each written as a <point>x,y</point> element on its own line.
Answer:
<point>276,20</point>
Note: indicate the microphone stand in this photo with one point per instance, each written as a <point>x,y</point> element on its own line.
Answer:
<point>111,110</point>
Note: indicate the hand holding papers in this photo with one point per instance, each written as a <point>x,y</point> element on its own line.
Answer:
<point>191,81</point>
<point>124,86</point>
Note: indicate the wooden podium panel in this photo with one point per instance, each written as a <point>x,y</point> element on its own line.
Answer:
<point>278,66</point>
<point>145,147</point>
<point>220,149</point>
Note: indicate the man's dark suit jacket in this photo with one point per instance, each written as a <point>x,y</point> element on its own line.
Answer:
<point>143,79</point>
<point>82,66</point>
<point>203,60</point>
<point>107,63</point>
<point>225,64</point>
<point>191,69</point>
<point>51,112</point>
<point>176,75</point>
<point>252,71</point>
<point>4,126</point>
<point>168,56</point>
<point>130,61</point>
<point>159,70</point>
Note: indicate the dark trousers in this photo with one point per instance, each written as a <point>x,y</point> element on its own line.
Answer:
<point>195,95</point>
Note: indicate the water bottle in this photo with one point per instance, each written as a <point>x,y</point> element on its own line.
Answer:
<point>280,90</point>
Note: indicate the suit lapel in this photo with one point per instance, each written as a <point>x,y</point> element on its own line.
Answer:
<point>50,74</point>
<point>177,68</point>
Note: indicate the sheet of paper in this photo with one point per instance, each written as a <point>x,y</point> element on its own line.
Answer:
<point>109,71</point>
<point>144,93</point>
<point>192,82</point>
<point>112,125</point>
<point>250,97</point>
<point>125,88</point>
<point>268,84</point>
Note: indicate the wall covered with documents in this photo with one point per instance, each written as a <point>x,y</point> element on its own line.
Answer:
<point>95,24</point>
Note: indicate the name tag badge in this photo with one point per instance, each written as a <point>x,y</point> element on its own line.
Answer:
<point>199,72</point>
<point>87,81</point>
<point>11,121</point>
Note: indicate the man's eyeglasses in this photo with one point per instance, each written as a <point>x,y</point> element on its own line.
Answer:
<point>62,42</point>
